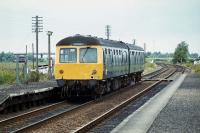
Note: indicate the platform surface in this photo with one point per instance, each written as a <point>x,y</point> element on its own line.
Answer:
<point>182,113</point>
<point>21,89</point>
<point>175,109</point>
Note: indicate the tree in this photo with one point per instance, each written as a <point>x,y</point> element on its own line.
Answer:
<point>194,55</point>
<point>181,53</point>
<point>6,57</point>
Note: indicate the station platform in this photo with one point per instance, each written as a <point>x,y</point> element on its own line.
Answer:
<point>174,109</point>
<point>7,92</point>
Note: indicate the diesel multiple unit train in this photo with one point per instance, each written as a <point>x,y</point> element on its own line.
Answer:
<point>87,65</point>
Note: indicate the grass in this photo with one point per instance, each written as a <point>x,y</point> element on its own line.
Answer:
<point>195,68</point>
<point>149,67</point>
<point>8,73</point>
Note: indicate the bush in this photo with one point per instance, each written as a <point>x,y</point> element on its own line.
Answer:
<point>34,77</point>
<point>43,77</point>
<point>150,65</point>
<point>195,68</point>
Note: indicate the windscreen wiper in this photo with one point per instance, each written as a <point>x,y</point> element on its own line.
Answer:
<point>85,54</point>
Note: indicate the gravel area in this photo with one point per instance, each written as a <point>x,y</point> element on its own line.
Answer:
<point>109,124</point>
<point>181,115</point>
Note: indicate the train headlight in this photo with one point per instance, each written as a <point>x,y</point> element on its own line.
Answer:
<point>61,71</point>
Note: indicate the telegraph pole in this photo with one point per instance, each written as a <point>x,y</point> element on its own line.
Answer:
<point>33,54</point>
<point>134,41</point>
<point>49,33</point>
<point>26,65</point>
<point>108,29</point>
<point>37,27</point>
<point>144,47</point>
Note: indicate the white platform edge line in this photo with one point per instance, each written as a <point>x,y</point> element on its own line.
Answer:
<point>30,92</point>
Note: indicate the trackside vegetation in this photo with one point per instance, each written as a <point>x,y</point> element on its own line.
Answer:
<point>149,67</point>
<point>181,53</point>
<point>195,68</point>
<point>8,74</point>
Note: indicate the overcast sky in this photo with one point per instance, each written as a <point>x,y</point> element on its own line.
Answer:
<point>161,24</point>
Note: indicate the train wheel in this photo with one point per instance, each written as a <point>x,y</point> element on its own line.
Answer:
<point>115,84</point>
<point>133,80</point>
<point>64,92</point>
<point>108,86</point>
<point>100,89</point>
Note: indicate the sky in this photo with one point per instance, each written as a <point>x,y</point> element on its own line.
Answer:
<point>161,24</point>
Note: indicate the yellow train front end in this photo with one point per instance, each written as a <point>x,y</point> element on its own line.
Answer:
<point>79,63</point>
<point>78,68</point>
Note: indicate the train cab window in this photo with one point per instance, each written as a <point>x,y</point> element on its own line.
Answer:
<point>88,55</point>
<point>68,55</point>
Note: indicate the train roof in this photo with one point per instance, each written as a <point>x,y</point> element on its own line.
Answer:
<point>89,40</point>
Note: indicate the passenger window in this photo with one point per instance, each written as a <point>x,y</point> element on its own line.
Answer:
<point>126,58</point>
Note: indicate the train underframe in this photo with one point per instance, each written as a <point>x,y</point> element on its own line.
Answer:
<point>96,88</point>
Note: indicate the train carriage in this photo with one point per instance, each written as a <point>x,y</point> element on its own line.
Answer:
<point>88,65</point>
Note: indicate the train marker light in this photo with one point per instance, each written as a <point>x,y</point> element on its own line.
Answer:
<point>61,71</point>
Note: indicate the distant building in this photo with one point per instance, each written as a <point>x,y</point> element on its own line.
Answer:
<point>197,61</point>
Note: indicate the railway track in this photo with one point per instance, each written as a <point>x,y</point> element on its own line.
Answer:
<point>15,123</point>
<point>18,124</point>
<point>107,114</point>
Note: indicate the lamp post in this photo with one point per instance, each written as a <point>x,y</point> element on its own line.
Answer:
<point>49,33</point>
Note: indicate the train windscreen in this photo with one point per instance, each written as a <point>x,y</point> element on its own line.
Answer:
<point>68,55</point>
<point>88,55</point>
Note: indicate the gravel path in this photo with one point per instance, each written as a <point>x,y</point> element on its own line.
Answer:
<point>181,115</point>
